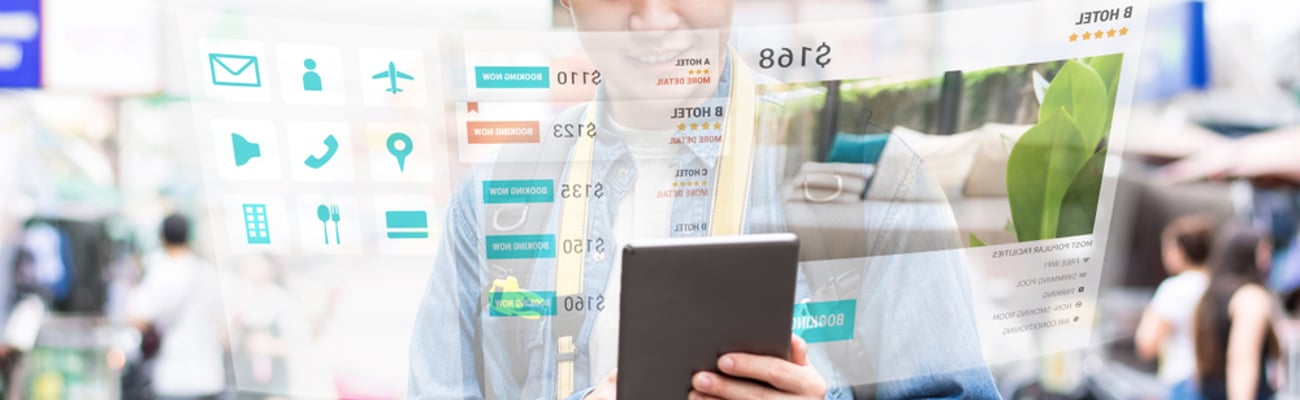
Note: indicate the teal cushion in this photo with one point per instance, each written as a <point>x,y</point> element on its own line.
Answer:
<point>855,148</point>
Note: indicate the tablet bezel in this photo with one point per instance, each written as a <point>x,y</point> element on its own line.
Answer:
<point>656,360</point>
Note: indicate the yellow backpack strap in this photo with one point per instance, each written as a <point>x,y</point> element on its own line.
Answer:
<point>529,163</point>
<point>731,192</point>
<point>569,265</point>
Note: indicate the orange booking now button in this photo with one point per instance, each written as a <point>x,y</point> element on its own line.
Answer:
<point>481,132</point>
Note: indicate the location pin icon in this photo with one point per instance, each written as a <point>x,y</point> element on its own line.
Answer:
<point>399,145</point>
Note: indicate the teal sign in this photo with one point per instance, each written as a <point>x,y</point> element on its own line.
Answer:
<point>827,321</point>
<point>521,303</point>
<point>502,247</point>
<point>519,191</point>
<point>512,77</point>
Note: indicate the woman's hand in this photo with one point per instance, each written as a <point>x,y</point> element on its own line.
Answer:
<point>607,389</point>
<point>794,379</point>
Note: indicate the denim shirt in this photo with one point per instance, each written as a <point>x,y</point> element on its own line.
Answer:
<point>459,351</point>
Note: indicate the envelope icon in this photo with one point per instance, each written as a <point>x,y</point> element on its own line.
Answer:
<point>234,70</point>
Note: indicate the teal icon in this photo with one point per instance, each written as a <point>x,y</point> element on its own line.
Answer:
<point>327,214</point>
<point>399,145</point>
<point>234,70</point>
<point>407,224</point>
<point>244,149</point>
<point>256,229</point>
<point>331,146</point>
<point>310,79</point>
<point>393,75</point>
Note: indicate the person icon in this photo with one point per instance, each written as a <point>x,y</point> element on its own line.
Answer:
<point>310,79</point>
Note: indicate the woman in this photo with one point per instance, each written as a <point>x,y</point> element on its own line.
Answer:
<point>463,347</point>
<point>1234,337</point>
<point>1166,328</point>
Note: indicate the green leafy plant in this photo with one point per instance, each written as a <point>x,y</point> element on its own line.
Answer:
<point>1054,169</point>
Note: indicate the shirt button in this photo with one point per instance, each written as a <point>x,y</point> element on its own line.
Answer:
<point>599,256</point>
<point>624,171</point>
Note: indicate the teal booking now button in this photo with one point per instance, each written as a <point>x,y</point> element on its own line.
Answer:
<point>521,303</point>
<point>503,247</point>
<point>519,191</point>
<point>827,321</point>
<point>494,77</point>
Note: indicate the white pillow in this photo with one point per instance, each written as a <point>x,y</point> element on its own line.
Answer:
<point>988,174</point>
<point>947,158</point>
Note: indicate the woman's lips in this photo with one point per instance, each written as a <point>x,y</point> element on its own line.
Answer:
<point>663,52</point>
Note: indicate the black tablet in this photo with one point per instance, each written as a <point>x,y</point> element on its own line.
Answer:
<point>685,302</point>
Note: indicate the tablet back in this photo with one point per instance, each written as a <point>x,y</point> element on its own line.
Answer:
<point>685,302</point>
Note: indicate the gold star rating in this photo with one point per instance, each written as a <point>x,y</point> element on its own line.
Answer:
<point>681,127</point>
<point>689,183</point>
<point>1098,34</point>
<point>695,126</point>
<point>717,125</point>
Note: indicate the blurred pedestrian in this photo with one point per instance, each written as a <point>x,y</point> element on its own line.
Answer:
<point>1166,327</point>
<point>268,330</point>
<point>179,302</point>
<point>1233,333</point>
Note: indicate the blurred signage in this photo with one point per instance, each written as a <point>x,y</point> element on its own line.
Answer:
<point>20,39</point>
<point>89,45</point>
<point>103,47</point>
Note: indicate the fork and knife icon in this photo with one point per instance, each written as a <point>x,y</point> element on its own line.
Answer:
<point>326,214</point>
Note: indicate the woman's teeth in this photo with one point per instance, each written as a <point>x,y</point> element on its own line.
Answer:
<point>655,59</point>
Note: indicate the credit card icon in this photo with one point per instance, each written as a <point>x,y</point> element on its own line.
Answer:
<point>406,224</point>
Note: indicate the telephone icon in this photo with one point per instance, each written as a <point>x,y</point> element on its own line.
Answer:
<point>331,146</point>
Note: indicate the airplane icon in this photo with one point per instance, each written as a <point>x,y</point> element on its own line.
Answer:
<point>392,74</point>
